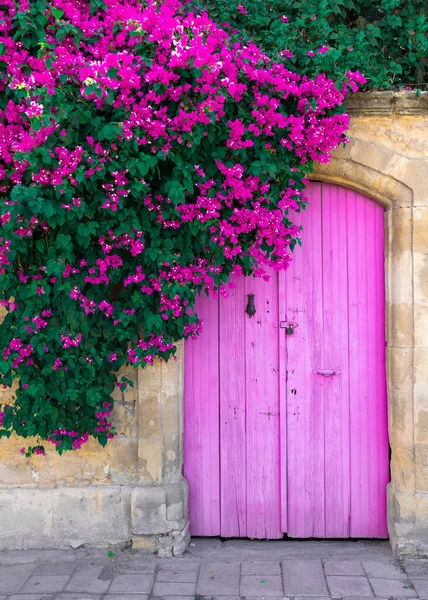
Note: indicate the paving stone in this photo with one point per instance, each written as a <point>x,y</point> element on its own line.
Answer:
<point>261,585</point>
<point>62,568</point>
<point>13,577</point>
<point>343,567</point>
<point>421,586</point>
<point>168,588</point>
<point>69,596</point>
<point>177,576</point>
<point>311,598</point>
<point>262,598</point>
<point>136,566</point>
<point>384,570</point>
<point>132,583</point>
<point>261,568</point>
<point>126,597</point>
<point>45,584</point>
<point>416,568</point>
<point>362,598</point>
<point>85,579</point>
<point>303,578</point>
<point>218,579</point>
<point>346,586</point>
<point>30,597</point>
<point>192,597</point>
<point>200,597</point>
<point>178,563</point>
<point>387,588</point>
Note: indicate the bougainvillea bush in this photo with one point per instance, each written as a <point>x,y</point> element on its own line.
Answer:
<point>144,158</point>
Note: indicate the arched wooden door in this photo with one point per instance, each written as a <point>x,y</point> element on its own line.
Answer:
<point>285,422</point>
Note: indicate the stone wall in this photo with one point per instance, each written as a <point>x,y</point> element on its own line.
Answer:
<point>133,491</point>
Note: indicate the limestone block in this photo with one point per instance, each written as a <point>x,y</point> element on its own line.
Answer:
<point>403,467</point>
<point>95,515</point>
<point>420,227</point>
<point>408,522</point>
<point>372,154</point>
<point>400,324</point>
<point>418,176</point>
<point>421,394</point>
<point>420,276</point>
<point>124,418</point>
<point>421,467</point>
<point>421,324</point>
<point>150,424</point>
<point>159,509</point>
<point>148,510</point>
<point>63,517</point>
<point>405,134</point>
<point>400,395</point>
<point>27,518</point>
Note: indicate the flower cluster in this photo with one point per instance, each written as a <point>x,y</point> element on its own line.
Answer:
<point>144,158</point>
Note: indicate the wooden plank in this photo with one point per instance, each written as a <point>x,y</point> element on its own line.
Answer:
<point>262,411</point>
<point>282,348</point>
<point>368,428</point>
<point>305,410</point>
<point>232,412</point>
<point>335,340</point>
<point>201,423</point>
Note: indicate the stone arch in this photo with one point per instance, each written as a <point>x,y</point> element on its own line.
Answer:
<point>384,175</point>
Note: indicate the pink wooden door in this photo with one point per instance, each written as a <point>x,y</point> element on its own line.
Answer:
<point>288,432</point>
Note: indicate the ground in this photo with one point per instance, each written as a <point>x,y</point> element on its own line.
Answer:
<point>216,570</point>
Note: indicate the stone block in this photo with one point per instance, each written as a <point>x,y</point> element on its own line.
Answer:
<point>400,330</point>
<point>421,324</point>
<point>126,597</point>
<point>421,586</point>
<point>45,584</point>
<point>132,583</point>
<point>148,510</point>
<point>13,577</point>
<point>60,568</point>
<point>261,568</point>
<point>343,567</point>
<point>304,578</point>
<point>172,575</point>
<point>420,276</point>
<point>218,579</point>
<point>145,542</point>
<point>167,588</point>
<point>349,586</point>
<point>416,568</point>
<point>392,588</point>
<point>29,522</point>
<point>86,579</point>
<point>93,515</point>
<point>72,596</point>
<point>264,585</point>
<point>384,570</point>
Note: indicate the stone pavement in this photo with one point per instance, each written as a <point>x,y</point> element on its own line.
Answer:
<point>215,570</point>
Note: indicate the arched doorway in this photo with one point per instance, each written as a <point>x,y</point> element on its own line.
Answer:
<point>285,411</point>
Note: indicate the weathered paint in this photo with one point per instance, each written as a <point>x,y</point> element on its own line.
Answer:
<point>271,444</point>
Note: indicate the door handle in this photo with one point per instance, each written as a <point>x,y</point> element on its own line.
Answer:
<point>327,372</point>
